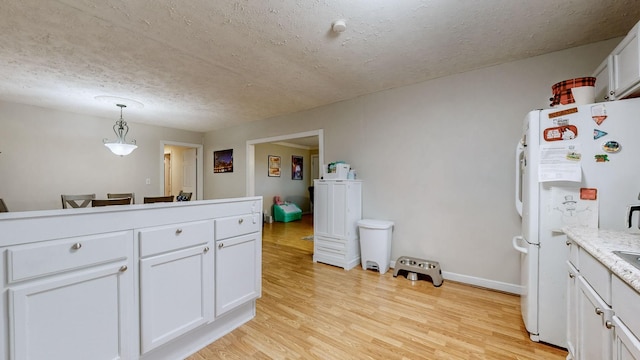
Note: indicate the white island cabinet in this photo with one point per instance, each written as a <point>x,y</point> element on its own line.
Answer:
<point>119,282</point>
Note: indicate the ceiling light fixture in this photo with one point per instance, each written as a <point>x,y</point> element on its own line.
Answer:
<point>120,146</point>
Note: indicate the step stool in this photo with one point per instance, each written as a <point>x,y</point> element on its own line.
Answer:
<point>414,266</point>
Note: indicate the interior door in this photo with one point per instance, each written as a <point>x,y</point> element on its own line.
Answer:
<point>190,171</point>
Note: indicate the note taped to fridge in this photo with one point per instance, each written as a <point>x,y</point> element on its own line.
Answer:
<point>561,162</point>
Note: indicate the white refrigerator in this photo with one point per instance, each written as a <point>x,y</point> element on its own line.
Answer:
<point>575,166</point>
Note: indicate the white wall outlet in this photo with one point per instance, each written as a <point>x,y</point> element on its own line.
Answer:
<point>148,181</point>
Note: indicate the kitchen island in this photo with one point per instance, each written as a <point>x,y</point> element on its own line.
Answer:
<point>603,295</point>
<point>152,281</point>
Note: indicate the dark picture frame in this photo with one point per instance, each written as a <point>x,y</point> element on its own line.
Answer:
<point>223,161</point>
<point>296,167</point>
<point>274,166</point>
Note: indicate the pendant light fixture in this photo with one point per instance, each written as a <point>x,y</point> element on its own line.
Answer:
<point>120,146</point>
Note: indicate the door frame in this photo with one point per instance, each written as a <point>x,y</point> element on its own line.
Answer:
<point>199,165</point>
<point>251,154</point>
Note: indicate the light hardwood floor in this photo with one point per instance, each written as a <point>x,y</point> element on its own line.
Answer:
<point>316,311</point>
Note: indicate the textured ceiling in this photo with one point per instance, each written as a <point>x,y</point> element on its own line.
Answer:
<point>203,65</point>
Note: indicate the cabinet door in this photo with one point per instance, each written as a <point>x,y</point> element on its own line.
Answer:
<point>602,75</point>
<point>238,271</point>
<point>80,315</point>
<point>626,65</point>
<point>321,208</point>
<point>338,226</point>
<point>176,294</point>
<point>594,339</point>
<point>625,345</point>
<point>572,309</point>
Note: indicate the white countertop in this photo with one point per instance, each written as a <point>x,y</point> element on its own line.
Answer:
<point>602,243</point>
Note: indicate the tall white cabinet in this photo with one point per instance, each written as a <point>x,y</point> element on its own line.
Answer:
<point>336,209</point>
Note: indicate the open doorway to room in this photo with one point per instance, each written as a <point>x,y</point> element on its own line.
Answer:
<point>182,169</point>
<point>309,144</point>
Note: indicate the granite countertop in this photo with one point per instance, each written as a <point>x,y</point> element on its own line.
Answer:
<point>602,243</point>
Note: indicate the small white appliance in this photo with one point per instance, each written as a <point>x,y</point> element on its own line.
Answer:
<point>575,166</point>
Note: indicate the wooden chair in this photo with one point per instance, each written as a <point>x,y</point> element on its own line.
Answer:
<point>3,206</point>
<point>155,199</point>
<point>184,196</point>
<point>122,196</point>
<point>76,201</point>
<point>108,202</point>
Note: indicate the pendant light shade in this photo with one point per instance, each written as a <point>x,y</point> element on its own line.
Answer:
<point>119,146</point>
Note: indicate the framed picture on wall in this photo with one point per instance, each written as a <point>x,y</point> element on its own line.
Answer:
<point>296,167</point>
<point>223,161</point>
<point>274,166</point>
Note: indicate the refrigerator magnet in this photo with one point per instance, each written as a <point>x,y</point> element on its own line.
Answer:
<point>598,113</point>
<point>611,146</point>
<point>566,132</point>
<point>602,158</point>
<point>597,134</point>
<point>588,194</point>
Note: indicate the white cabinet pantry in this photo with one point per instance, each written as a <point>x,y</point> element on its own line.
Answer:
<point>337,209</point>
<point>127,282</point>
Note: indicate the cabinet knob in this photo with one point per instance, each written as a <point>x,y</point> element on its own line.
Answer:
<point>220,246</point>
<point>568,242</point>
<point>606,97</point>
<point>609,324</point>
<point>123,268</point>
<point>240,221</point>
<point>76,246</point>
<point>599,311</point>
<point>178,231</point>
<point>206,249</point>
<point>572,275</point>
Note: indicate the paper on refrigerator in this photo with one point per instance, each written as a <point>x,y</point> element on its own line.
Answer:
<point>560,162</point>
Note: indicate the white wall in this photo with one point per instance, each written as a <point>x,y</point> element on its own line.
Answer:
<point>436,157</point>
<point>295,191</point>
<point>46,153</point>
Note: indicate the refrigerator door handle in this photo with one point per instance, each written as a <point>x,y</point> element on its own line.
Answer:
<point>521,249</point>
<point>518,167</point>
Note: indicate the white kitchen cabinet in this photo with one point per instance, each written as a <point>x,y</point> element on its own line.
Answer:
<point>603,87</point>
<point>238,269</point>
<point>176,281</point>
<point>594,339</point>
<point>572,309</point>
<point>72,298</point>
<point>337,208</point>
<point>625,66</point>
<point>626,322</point>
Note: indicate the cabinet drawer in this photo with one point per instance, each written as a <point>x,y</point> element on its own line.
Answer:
<point>332,244</point>
<point>172,237</point>
<point>237,225</point>
<point>35,260</point>
<point>596,274</point>
<point>626,303</point>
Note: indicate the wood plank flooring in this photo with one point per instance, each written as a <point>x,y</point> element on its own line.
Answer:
<point>316,311</point>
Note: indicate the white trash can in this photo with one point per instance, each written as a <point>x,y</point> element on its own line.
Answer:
<point>375,244</point>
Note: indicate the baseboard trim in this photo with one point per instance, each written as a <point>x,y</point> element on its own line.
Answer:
<point>480,282</point>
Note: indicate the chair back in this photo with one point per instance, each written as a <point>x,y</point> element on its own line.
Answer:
<point>3,206</point>
<point>155,199</point>
<point>184,196</point>
<point>122,196</point>
<point>76,201</point>
<point>108,202</point>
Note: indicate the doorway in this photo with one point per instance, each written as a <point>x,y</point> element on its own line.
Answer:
<point>182,169</point>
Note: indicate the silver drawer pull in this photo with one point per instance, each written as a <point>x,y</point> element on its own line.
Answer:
<point>76,246</point>
<point>123,268</point>
<point>206,249</point>
<point>609,324</point>
<point>599,311</point>
<point>220,245</point>
<point>178,231</point>
<point>240,220</point>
